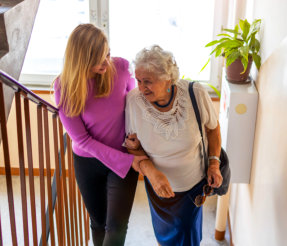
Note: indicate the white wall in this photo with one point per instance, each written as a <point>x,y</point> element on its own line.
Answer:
<point>258,210</point>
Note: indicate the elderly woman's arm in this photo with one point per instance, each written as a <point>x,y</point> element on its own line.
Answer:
<point>214,147</point>
<point>157,179</point>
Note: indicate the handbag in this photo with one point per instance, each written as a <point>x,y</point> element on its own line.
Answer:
<point>224,165</point>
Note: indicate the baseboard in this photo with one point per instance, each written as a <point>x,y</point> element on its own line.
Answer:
<point>15,171</point>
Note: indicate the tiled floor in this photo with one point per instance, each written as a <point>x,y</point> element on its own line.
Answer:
<point>140,232</point>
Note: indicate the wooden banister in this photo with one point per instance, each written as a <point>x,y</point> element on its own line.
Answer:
<point>58,196</point>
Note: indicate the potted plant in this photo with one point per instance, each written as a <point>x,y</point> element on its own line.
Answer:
<point>240,48</point>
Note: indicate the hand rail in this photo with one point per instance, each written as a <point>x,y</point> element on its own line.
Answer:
<point>12,83</point>
<point>67,210</point>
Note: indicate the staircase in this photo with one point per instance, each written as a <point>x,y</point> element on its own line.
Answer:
<point>63,217</point>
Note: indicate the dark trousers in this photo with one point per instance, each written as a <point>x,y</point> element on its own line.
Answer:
<point>108,199</point>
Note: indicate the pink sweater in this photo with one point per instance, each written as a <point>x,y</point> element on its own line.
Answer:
<point>100,130</point>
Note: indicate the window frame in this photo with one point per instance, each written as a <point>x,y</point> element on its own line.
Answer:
<point>99,15</point>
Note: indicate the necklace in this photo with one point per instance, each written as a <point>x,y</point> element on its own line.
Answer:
<point>169,101</point>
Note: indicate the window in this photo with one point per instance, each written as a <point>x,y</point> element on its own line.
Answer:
<point>54,22</point>
<point>182,27</point>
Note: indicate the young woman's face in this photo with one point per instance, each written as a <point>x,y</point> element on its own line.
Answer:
<point>153,89</point>
<point>101,68</point>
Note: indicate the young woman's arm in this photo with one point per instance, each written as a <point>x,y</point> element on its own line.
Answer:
<point>157,179</point>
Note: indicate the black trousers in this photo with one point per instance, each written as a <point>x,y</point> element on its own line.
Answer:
<point>108,199</point>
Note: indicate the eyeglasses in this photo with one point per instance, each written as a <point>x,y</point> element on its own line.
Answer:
<point>199,199</point>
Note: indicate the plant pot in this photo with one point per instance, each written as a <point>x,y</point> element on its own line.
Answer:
<point>234,70</point>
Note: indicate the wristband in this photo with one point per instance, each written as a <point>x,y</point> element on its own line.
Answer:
<point>213,157</point>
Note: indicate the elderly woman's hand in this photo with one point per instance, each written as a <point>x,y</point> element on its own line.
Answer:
<point>214,177</point>
<point>136,163</point>
<point>132,141</point>
<point>158,180</point>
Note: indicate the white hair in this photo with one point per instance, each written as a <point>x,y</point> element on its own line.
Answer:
<point>159,62</point>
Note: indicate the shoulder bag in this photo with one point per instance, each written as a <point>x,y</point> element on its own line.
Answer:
<point>224,165</point>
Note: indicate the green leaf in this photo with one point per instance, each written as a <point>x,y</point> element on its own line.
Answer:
<point>216,42</point>
<point>244,51</point>
<point>252,43</point>
<point>212,87</point>
<point>232,31</point>
<point>257,45</point>
<point>257,60</point>
<point>225,34</point>
<point>236,29</point>
<point>244,63</point>
<point>255,27</point>
<point>218,52</point>
<point>245,27</point>
<point>230,51</point>
<point>218,47</point>
<point>212,43</point>
<point>232,57</point>
<point>205,65</point>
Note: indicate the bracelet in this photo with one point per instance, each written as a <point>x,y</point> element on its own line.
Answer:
<point>213,157</point>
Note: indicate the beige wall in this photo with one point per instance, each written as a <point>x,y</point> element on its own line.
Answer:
<point>258,210</point>
<point>12,135</point>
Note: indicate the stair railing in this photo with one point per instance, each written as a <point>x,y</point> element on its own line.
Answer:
<point>63,217</point>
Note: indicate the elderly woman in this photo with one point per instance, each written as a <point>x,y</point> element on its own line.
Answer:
<point>161,122</point>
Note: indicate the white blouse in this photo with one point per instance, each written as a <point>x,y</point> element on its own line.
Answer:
<point>172,139</point>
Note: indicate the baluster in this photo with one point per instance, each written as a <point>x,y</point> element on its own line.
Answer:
<point>22,167</point>
<point>48,169</point>
<point>41,167</point>
<point>85,224</point>
<point>63,165</point>
<point>75,205</point>
<point>80,216</point>
<point>69,153</point>
<point>88,225</point>
<point>30,167</point>
<point>58,181</point>
<point>7,166</point>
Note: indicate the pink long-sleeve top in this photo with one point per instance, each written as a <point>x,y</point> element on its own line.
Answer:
<point>99,130</point>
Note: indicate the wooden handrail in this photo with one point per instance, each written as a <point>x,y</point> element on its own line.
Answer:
<point>12,83</point>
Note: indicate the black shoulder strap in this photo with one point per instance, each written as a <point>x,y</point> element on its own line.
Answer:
<point>197,114</point>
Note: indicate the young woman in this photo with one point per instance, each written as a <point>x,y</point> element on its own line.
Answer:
<point>90,94</point>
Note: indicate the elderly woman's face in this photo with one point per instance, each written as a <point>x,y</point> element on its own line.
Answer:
<point>153,89</point>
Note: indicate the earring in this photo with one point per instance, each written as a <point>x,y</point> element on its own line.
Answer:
<point>168,90</point>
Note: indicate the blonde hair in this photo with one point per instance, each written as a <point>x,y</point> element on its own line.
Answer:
<point>159,62</point>
<point>87,46</point>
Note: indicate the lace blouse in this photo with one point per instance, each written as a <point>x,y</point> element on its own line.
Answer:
<point>172,139</point>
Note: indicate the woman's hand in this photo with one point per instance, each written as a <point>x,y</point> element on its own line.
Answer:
<point>132,142</point>
<point>214,177</point>
<point>136,163</point>
<point>157,179</point>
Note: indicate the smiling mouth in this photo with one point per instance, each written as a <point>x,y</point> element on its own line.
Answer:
<point>147,93</point>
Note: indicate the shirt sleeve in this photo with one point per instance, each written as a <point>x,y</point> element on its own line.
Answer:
<point>131,80</point>
<point>114,159</point>
<point>207,111</point>
<point>130,124</point>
